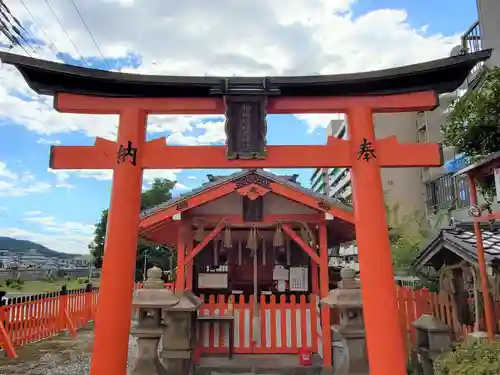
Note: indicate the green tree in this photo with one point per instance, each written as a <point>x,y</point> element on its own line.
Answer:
<point>408,234</point>
<point>472,125</point>
<point>159,192</point>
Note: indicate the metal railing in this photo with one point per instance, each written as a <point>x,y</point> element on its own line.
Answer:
<point>317,180</point>
<point>472,41</point>
<point>315,173</point>
<point>447,192</point>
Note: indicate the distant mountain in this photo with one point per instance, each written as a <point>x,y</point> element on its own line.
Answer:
<point>22,247</point>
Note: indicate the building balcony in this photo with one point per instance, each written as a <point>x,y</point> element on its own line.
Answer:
<point>346,193</point>
<point>317,171</point>
<point>472,41</point>
<point>339,181</point>
<point>317,182</point>
<point>447,192</point>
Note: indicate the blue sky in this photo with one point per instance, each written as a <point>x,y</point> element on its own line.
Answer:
<point>59,210</point>
<point>445,16</point>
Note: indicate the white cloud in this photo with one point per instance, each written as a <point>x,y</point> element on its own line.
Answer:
<point>69,237</point>
<point>14,190</point>
<point>6,172</point>
<point>62,175</point>
<point>46,141</point>
<point>13,184</point>
<point>179,186</point>
<point>318,120</point>
<point>191,178</point>
<point>261,37</point>
<point>62,178</point>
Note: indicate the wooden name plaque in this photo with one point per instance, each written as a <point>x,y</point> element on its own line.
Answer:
<point>212,280</point>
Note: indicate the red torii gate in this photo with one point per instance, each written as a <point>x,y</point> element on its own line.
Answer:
<point>477,172</point>
<point>133,97</point>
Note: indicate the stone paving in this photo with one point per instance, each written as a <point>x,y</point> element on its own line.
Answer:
<point>63,355</point>
<point>57,356</point>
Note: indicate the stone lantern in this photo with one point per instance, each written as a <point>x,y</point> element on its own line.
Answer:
<point>351,330</point>
<point>433,338</point>
<point>179,335</point>
<point>150,301</point>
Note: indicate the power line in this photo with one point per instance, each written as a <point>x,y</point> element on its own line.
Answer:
<point>50,40</point>
<point>13,30</point>
<point>90,33</point>
<point>66,32</point>
<point>68,36</point>
<point>39,25</point>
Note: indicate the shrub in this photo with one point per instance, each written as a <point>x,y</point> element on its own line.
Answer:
<point>471,357</point>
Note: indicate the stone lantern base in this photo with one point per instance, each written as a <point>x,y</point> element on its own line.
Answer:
<point>147,361</point>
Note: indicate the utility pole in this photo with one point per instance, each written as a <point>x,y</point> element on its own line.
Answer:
<point>91,261</point>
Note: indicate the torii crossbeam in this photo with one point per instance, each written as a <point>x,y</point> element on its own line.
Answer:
<point>246,101</point>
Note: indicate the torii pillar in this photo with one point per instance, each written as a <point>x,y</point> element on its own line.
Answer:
<point>374,251</point>
<point>110,347</point>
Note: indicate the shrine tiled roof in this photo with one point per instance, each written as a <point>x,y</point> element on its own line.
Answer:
<point>461,240</point>
<point>220,180</point>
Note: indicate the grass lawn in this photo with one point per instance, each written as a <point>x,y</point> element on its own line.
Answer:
<point>37,287</point>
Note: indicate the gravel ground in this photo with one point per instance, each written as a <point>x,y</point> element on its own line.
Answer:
<point>57,356</point>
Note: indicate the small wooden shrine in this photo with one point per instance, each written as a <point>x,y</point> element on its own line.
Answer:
<point>254,239</point>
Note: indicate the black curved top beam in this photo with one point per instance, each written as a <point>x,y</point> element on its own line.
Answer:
<point>49,78</point>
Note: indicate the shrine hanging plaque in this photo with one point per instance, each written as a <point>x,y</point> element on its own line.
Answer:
<point>212,280</point>
<point>246,126</point>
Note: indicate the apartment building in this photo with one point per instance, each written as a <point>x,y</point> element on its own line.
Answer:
<point>424,190</point>
<point>322,178</point>
<point>404,187</point>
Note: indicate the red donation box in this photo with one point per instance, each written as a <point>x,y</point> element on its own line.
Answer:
<point>305,357</point>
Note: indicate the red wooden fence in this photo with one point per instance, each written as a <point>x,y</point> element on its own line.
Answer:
<point>284,327</point>
<point>29,319</point>
<point>413,303</point>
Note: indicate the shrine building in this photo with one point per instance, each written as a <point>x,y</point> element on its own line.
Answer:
<point>255,243</point>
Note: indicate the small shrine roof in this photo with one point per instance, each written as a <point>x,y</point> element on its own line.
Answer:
<point>161,217</point>
<point>49,78</point>
<point>220,180</point>
<point>461,241</point>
